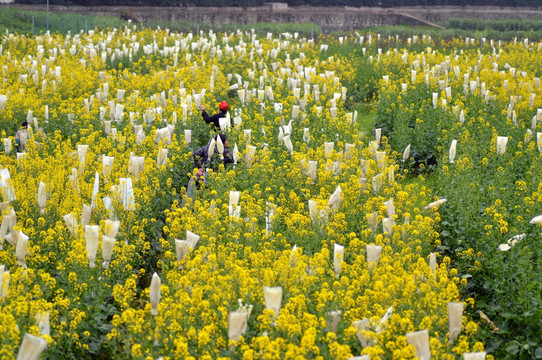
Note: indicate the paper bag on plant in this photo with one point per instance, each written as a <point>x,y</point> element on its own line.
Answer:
<point>335,318</point>
<point>161,158</point>
<point>31,347</point>
<point>22,248</point>
<point>273,298</point>
<point>92,238</point>
<point>338,256</point>
<point>249,155</point>
<point>311,169</point>
<point>361,326</point>
<point>155,293</point>
<point>373,255</point>
<point>328,148</point>
<point>108,244</point>
<point>42,320</point>
<point>455,315</point>
<point>420,340</point>
<point>4,282</point>
<point>335,199</point>
<point>71,223</point>
<point>475,355</point>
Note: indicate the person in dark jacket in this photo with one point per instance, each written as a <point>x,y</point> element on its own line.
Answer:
<point>201,156</point>
<point>21,137</point>
<point>215,119</point>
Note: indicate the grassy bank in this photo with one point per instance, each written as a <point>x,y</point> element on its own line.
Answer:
<point>37,22</point>
<point>473,28</point>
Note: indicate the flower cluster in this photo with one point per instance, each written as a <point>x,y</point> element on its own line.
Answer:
<point>474,117</point>
<point>313,229</point>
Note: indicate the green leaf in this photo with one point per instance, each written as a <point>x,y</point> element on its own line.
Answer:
<point>507,314</point>
<point>538,353</point>
<point>512,347</point>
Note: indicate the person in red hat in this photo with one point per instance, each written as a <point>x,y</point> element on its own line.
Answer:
<point>215,119</point>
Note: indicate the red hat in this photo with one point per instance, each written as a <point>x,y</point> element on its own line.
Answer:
<point>223,106</point>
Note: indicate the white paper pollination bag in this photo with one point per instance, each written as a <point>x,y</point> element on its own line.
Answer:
<point>372,221</point>
<point>313,211</point>
<point>249,155</point>
<point>219,145</point>
<point>406,153</point>
<point>247,134</point>
<point>328,148</point>
<point>181,249</point>
<point>71,223</point>
<point>238,321</point>
<point>269,214</point>
<point>126,189</point>
<point>452,152</point>
<point>225,123</point>
<point>234,208</point>
<point>334,319</point>
<point>362,326</point>
<point>192,239</point>
<point>31,347</point>
<point>348,151</point>
<point>95,190</point>
<point>161,158</point>
<point>82,151</point>
<point>8,193</point>
<point>111,228</point>
<point>85,215</point>
<point>21,249</point>
<point>387,226</point>
<point>501,144</point>
<point>7,146</point>
<point>4,282</point>
<point>338,256</point>
<point>9,220</point>
<point>377,182</point>
<point>108,244</point>
<point>373,255</point>
<point>136,165</point>
<point>384,320</point>
<point>273,298</point>
<point>163,135</point>
<point>155,293</point>
<point>235,154</point>
<point>188,137</point>
<point>335,199</point>
<point>475,355</point>
<point>390,208</point>
<point>311,169</point>
<point>420,340</point>
<point>360,357</point>
<point>306,135</point>
<point>455,315</point>
<point>92,238</point>
<point>288,144</point>
<point>107,166</point>
<point>42,320</point>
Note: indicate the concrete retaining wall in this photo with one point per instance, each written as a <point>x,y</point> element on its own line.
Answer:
<point>329,18</point>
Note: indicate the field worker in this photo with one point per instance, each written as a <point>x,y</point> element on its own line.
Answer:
<point>21,137</point>
<point>215,119</point>
<point>218,146</point>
